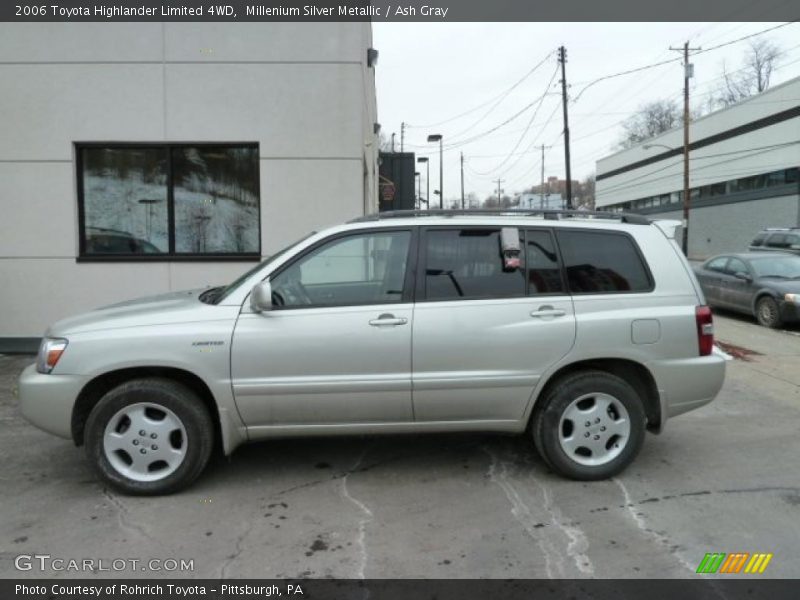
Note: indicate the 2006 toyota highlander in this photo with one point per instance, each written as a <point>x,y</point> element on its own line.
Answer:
<point>580,330</point>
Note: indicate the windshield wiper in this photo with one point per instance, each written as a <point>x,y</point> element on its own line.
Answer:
<point>211,294</point>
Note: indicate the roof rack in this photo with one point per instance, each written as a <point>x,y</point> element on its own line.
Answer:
<point>551,214</point>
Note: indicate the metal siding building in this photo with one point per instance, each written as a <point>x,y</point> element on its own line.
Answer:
<point>302,94</point>
<point>743,173</point>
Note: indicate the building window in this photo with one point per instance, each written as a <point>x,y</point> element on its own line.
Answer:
<point>148,201</point>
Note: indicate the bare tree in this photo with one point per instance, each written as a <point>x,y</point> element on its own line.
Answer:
<point>753,78</point>
<point>384,143</point>
<point>585,198</point>
<point>649,120</point>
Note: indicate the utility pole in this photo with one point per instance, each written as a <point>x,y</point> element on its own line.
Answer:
<point>402,135</point>
<point>541,188</point>
<point>462,181</point>
<point>688,72</point>
<point>393,134</point>
<point>499,191</point>
<point>562,58</point>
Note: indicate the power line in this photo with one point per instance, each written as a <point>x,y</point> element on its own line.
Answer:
<point>498,98</point>
<point>672,60</point>
<point>527,127</point>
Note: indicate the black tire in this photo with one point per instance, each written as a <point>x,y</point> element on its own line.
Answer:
<point>768,312</point>
<point>176,397</point>
<point>550,409</point>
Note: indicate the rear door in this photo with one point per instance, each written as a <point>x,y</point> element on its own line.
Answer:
<point>710,278</point>
<point>737,292</point>
<point>483,335</point>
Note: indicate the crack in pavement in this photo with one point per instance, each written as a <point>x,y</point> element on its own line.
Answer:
<point>641,523</point>
<point>522,513</point>
<point>654,499</point>
<point>122,516</point>
<point>361,540</point>
<point>577,544</point>
<point>238,549</point>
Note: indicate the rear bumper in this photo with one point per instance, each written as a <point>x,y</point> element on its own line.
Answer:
<point>685,384</point>
<point>47,400</point>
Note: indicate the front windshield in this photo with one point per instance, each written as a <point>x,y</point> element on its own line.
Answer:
<point>226,291</point>
<point>785,267</point>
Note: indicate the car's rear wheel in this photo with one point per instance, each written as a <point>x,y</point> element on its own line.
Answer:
<point>767,312</point>
<point>590,425</point>
<point>149,436</point>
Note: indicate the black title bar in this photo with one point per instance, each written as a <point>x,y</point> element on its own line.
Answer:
<point>400,11</point>
<point>701,587</point>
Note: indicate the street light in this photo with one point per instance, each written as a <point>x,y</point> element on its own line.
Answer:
<point>437,137</point>
<point>686,194</point>
<point>424,159</point>
<point>419,181</point>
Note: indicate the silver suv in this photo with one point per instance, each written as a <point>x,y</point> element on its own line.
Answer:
<point>581,330</point>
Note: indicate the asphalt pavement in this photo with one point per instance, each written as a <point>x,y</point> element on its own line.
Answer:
<point>725,478</point>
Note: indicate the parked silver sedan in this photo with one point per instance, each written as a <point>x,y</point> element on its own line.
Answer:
<point>764,285</point>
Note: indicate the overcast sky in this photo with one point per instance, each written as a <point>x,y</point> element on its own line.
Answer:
<point>429,73</point>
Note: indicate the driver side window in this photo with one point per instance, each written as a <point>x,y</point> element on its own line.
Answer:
<point>360,269</point>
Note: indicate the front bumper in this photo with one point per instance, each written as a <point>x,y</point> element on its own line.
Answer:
<point>47,400</point>
<point>685,384</point>
<point>790,311</point>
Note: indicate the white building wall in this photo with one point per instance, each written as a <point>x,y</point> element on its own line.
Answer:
<point>302,91</point>
<point>713,163</point>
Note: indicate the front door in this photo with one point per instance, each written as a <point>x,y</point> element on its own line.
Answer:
<point>484,334</point>
<point>336,349</point>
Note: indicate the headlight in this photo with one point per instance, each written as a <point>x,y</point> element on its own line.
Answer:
<point>794,298</point>
<point>50,350</point>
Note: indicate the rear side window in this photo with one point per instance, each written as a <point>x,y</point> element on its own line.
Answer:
<point>599,262</point>
<point>759,239</point>
<point>541,258</point>
<point>736,266</point>
<point>468,263</point>
<point>717,264</point>
<point>776,240</point>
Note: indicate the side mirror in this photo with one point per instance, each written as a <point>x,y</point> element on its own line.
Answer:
<point>261,297</point>
<point>743,276</point>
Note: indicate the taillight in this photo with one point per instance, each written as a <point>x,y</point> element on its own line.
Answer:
<point>705,329</point>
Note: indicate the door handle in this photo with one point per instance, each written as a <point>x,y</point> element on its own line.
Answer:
<point>388,320</point>
<point>548,311</point>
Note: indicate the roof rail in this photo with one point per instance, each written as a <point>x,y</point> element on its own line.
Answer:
<point>552,214</point>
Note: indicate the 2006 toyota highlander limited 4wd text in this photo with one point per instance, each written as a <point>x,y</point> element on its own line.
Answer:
<point>580,330</point>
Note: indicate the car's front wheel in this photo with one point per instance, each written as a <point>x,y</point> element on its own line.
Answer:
<point>768,313</point>
<point>149,436</point>
<point>589,426</point>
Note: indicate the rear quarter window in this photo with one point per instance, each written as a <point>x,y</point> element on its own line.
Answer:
<point>603,262</point>
<point>776,240</point>
<point>759,239</point>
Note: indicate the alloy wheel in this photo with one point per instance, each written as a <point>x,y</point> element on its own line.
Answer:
<point>145,441</point>
<point>594,429</point>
